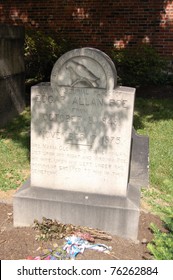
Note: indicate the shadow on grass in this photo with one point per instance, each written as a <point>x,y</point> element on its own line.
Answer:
<point>152,110</point>
<point>18,130</point>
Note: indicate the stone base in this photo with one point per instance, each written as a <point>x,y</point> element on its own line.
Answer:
<point>115,215</point>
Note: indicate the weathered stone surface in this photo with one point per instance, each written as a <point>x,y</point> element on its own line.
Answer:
<point>139,163</point>
<point>86,67</point>
<point>113,214</point>
<point>81,127</point>
<point>12,76</point>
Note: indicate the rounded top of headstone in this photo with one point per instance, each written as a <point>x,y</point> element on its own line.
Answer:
<point>85,67</point>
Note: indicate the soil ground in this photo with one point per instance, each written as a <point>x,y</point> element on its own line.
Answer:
<point>19,243</point>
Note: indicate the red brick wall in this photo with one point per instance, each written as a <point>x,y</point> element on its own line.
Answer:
<point>101,24</point>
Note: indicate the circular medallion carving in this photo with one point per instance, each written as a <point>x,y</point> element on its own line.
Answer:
<point>86,67</point>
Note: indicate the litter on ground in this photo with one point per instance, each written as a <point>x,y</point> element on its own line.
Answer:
<point>73,246</point>
<point>77,239</point>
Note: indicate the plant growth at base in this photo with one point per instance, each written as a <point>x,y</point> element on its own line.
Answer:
<point>162,245</point>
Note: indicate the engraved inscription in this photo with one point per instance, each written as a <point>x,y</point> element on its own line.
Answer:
<point>52,161</point>
<point>82,138</point>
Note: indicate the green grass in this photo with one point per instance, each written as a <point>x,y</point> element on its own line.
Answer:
<point>162,245</point>
<point>155,118</point>
<point>14,152</point>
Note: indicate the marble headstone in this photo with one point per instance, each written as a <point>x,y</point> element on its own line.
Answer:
<point>81,126</point>
<point>87,162</point>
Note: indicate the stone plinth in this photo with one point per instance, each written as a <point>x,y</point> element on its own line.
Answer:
<point>113,214</point>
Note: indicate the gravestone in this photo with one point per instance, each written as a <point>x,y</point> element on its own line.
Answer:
<point>12,72</point>
<point>87,163</point>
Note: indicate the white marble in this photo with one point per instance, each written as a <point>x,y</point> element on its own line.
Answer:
<point>81,126</point>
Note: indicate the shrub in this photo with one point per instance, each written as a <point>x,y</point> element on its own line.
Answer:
<point>141,66</point>
<point>162,245</point>
<point>41,51</point>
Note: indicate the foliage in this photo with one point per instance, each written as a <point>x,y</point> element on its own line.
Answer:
<point>141,66</point>
<point>41,51</point>
<point>162,245</point>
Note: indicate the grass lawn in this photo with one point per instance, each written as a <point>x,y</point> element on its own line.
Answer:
<point>14,152</point>
<point>152,117</point>
<point>155,118</point>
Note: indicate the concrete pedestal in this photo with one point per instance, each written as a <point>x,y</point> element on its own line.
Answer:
<point>113,214</point>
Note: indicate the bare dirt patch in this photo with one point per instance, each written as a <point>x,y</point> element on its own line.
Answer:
<point>19,243</point>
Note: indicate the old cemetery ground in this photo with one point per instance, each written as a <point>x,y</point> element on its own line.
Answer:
<point>152,117</point>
